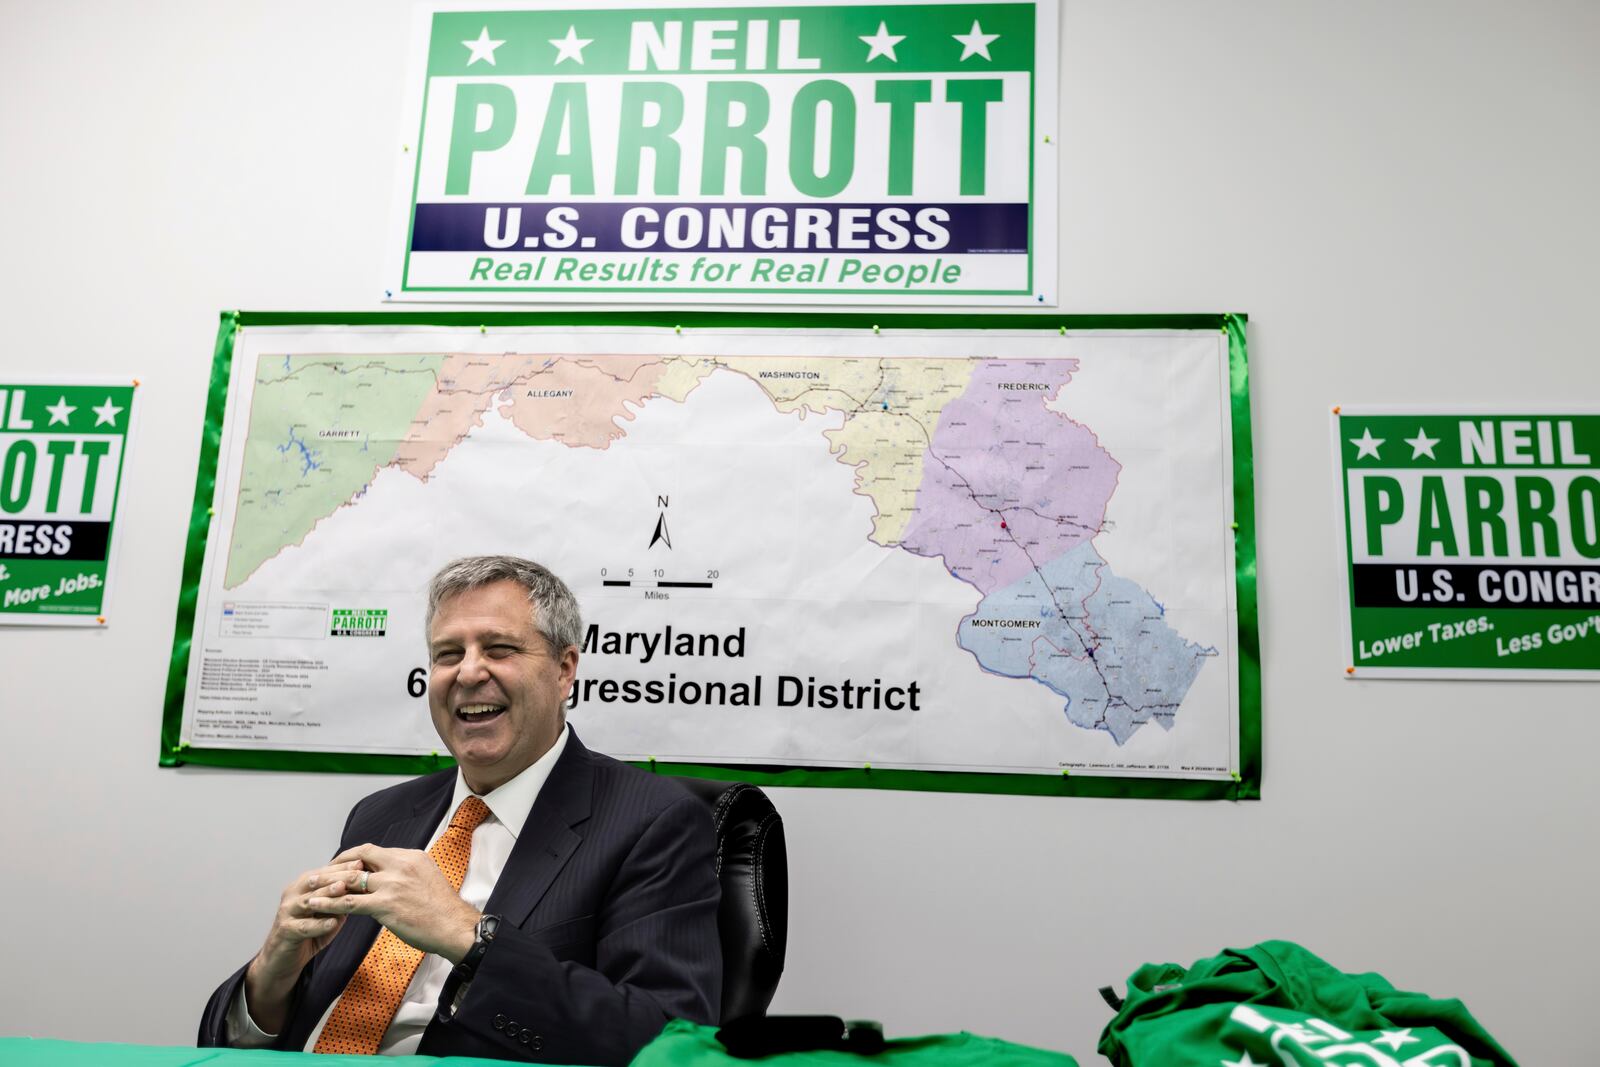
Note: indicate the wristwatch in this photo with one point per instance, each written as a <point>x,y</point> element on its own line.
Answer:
<point>482,935</point>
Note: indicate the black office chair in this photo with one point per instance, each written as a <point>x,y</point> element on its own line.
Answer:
<point>753,867</point>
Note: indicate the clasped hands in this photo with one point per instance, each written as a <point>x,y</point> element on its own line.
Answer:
<point>402,888</point>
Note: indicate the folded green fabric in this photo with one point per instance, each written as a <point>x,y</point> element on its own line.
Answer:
<point>1276,1003</point>
<point>683,1044</point>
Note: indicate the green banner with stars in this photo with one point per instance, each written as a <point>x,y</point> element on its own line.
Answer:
<point>63,446</point>
<point>1472,542</point>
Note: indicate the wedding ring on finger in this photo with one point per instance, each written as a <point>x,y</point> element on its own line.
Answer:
<point>363,885</point>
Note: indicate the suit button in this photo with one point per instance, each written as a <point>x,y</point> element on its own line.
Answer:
<point>523,1037</point>
<point>511,1028</point>
<point>538,1042</point>
<point>499,1022</point>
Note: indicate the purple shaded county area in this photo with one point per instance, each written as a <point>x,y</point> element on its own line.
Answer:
<point>1012,496</point>
<point>1008,484</point>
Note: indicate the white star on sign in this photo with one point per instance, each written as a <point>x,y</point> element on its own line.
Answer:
<point>1422,445</point>
<point>1367,445</point>
<point>975,42</point>
<point>482,48</point>
<point>571,46</point>
<point>59,411</point>
<point>882,43</point>
<point>1395,1039</point>
<point>1242,1061</point>
<point>105,413</point>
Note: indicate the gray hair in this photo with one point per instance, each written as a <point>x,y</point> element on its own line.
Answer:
<point>555,614</point>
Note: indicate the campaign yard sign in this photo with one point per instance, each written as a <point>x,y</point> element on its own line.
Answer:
<point>790,152</point>
<point>1472,542</point>
<point>63,446</point>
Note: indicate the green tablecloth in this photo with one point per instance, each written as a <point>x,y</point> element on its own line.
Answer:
<point>683,1044</point>
<point>45,1052</point>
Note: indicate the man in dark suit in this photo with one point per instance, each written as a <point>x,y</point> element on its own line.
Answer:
<point>566,909</point>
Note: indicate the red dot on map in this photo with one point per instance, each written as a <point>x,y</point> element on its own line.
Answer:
<point>1003,526</point>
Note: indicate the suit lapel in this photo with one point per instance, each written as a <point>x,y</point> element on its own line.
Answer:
<point>414,830</point>
<point>548,838</point>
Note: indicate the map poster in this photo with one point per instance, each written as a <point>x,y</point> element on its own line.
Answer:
<point>63,447</point>
<point>896,152</point>
<point>1472,542</point>
<point>909,551</point>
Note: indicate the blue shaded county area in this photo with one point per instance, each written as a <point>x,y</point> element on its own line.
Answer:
<point>1100,641</point>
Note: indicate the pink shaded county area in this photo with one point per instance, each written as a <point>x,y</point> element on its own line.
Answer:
<point>1009,485</point>
<point>466,387</point>
<point>561,398</point>
<point>577,400</point>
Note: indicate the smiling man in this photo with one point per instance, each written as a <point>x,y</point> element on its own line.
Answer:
<point>539,902</point>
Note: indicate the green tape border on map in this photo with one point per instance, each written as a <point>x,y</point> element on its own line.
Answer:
<point>1246,787</point>
<point>205,488</point>
<point>1244,548</point>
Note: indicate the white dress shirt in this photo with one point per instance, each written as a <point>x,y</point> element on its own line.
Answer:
<point>491,848</point>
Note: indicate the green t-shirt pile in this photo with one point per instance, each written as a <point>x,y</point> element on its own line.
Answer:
<point>1277,1004</point>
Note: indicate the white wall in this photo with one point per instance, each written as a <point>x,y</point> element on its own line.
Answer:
<point>1402,196</point>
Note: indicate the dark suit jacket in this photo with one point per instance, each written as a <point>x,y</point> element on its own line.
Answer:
<point>608,910</point>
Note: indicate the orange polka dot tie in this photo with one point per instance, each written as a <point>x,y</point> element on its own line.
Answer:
<point>374,992</point>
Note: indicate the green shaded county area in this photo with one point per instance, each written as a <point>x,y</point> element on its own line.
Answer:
<point>320,428</point>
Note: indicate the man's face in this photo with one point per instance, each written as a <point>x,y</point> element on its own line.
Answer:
<point>496,691</point>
